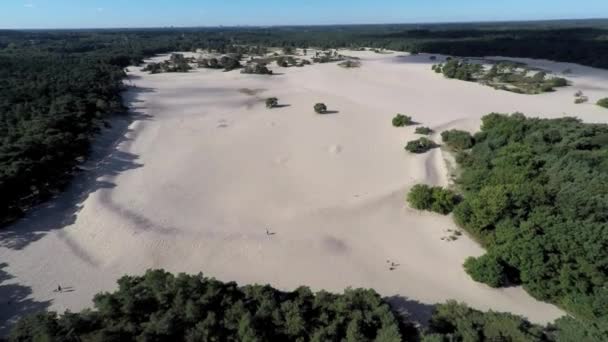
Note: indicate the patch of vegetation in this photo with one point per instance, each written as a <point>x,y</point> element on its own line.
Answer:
<point>159,306</point>
<point>436,198</point>
<point>327,57</point>
<point>503,75</point>
<point>320,108</point>
<point>454,322</point>
<point>271,102</point>
<point>536,196</point>
<point>176,63</point>
<point>603,102</point>
<point>421,145</point>
<point>457,139</point>
<point>401,120</point>
<point>423,130</point>
<point>350,64</point>
<point>256,68</point>
<point>227,62</point>
<point>487,269</point>
<point>579,97</point>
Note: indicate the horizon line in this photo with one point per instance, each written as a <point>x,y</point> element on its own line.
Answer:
<point>307,25</point>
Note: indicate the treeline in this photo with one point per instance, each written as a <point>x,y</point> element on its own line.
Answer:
<point>536,196</point>
<point>159,306</point>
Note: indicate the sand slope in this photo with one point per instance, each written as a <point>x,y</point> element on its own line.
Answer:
<point>204,169</point>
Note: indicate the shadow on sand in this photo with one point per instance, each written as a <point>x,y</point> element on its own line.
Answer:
<point>106,161</point>
<point>412,310</point>
<point>15,302</point>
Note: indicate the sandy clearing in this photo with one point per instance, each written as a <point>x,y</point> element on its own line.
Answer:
<point>204,169</point>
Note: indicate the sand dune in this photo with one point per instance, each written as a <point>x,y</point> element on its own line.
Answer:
<point>193,181</point>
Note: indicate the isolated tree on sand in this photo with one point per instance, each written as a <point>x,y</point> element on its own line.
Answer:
<point>271,102</point>
<point>320,108</point>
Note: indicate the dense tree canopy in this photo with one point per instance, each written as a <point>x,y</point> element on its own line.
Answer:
<point>536,195</point>
<point>162,307</point>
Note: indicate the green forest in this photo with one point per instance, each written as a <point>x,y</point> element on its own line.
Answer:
<point>536,196</point>
<point>159,306</point>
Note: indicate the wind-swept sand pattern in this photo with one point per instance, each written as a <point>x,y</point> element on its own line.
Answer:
<point>203,169</point>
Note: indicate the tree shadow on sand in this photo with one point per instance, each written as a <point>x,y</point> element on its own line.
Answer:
<point>412,310</point>
<point>15,302</point>
<point>105,162</point>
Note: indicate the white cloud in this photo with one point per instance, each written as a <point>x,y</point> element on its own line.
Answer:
<point>99,9</point>
<point>29,5</point>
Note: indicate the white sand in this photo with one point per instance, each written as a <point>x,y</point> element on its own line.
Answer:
<point>206,168</point>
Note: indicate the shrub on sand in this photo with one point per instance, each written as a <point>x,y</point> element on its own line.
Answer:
<point>320,108</point>
<point>421,145</point>
<point>271,102</point>
<point>401,120</point>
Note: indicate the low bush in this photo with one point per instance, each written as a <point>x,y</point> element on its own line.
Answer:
<point>457,139</point>
<point>423,130</point>
<point>487,269</point>
<point>436,199</point>
<point>421,145</point>
<point>320,108</point>
<point>271,102</point>
<point>401,120</point>
<point>603,102</point>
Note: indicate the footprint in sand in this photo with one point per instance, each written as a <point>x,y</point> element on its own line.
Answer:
<point>281,160</point>
<point>222,123</point>
<point>334,149</point>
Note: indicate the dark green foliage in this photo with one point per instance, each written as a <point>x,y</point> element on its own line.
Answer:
<point>454,322</point>
<point>176,63</point>
<point>421,145</point>
<point>256,68</point>
<point>487,269</point>
<point>423,130</point>
<point>161,307</point>
<point>401,120</point>
<point>603,102</point>
<point>457,139</point>
<point>461,70</point>
<point>536,196</point>
<point>437,199</point>
<point>271,102</point>
<point>320,108</point>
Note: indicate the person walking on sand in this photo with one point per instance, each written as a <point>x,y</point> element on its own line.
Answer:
<point>59,289</point>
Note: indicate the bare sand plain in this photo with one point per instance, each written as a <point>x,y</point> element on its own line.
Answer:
<point>201,169</point>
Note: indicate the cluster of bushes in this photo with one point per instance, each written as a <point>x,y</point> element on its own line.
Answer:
<point>603,102</point>
<point>176,63</point>
<point>457,139</point>
<point>508,76</point>
<point>459,69</point>
<point>256,68</point>
<point>327,57</point>
<point>401,120</point>
<point>421,145</point>
<point>432,198</point>
<point>535,196</point>
<point>227,62</point>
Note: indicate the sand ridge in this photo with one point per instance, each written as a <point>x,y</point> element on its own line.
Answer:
<point>199,173</point>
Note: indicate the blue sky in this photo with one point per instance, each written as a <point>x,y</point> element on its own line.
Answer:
<point>154,13</point>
